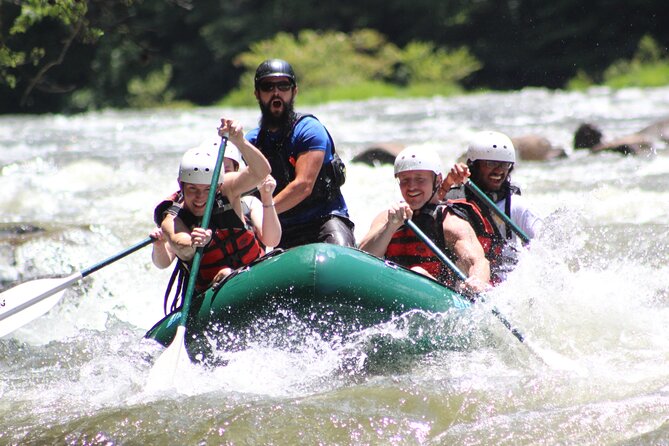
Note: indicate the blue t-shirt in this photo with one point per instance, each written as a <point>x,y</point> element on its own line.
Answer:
<point>309,134</point>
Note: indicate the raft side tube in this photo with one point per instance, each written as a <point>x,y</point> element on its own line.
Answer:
<point>318,277</point>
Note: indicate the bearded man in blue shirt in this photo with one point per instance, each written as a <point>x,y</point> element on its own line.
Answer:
<point>307,169</point>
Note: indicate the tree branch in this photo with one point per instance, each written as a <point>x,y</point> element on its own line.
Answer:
<point>40,74</point>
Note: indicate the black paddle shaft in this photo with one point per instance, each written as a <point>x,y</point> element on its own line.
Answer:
<point>462,276</point>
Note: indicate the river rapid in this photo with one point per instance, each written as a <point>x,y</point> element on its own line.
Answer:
<point>591,295</point>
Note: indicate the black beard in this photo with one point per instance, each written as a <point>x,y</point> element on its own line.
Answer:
<point>476,177</point>
<point>283,121</point>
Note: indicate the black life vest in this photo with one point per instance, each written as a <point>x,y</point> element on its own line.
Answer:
<point>330,178</point>
<point>406,249</point>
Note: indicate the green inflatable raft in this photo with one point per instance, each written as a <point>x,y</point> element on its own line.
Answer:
<point>326,286</point>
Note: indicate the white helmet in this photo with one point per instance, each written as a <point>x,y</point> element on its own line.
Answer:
<point>232,152</point>
<point>198,165</point>
<point>493,146</point>
<point>418,158</point>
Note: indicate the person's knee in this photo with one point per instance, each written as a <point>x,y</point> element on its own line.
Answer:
<point>342,238</point>
<point>338,231</point>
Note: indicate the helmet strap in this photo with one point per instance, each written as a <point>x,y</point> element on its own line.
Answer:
<point>435,188</point>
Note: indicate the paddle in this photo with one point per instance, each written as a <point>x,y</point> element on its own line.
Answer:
<point>493,207</point>
<point>550,358</point>
<point>462,276</point>
<point>28,301</point>
<point>175,355</point>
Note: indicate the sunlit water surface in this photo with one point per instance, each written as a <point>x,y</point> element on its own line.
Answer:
<point>592,294</point>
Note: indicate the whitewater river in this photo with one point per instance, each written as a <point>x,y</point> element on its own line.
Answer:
<point>592,294</point>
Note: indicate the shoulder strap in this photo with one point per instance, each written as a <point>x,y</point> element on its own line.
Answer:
<point>166,205</point>
<point>435,214</point>
<point>455,193</point>
<point>186,216</point>
<point>301,116</point>
<point>507,211</point>
<point>471,212</point>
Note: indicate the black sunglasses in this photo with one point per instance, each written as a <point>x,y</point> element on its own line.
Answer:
<point>490,164</point>
<point>270,86</point>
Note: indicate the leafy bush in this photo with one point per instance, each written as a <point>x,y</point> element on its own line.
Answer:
<point>641,75</point>
<point>324,59</point>
<point>580,82</point>
<point>649,67</point>
<point>337,66</point>
<point>425,63</point>
<point>152,90</point>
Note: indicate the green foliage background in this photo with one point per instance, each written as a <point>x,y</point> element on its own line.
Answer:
<point>333,65</point>
<point>76,55</point>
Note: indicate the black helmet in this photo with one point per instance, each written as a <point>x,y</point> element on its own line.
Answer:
<point>274,68</point>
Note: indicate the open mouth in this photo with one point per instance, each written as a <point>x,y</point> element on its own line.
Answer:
<point>496,178</point>
<point>198,207</point>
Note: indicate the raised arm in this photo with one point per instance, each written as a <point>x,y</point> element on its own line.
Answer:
<point>458,174</point>
<point>248,177</point>
<point>263,214</point>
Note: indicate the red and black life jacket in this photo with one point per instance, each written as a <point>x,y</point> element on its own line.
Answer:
<point>406,249</point>
<point>486,232</point>
<point>467,207</point>
<point>233,243</point>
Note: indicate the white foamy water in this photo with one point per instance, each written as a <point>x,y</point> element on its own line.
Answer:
<point>592,290</point>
